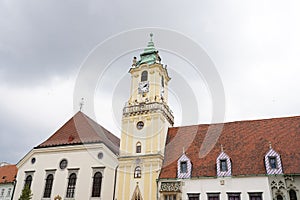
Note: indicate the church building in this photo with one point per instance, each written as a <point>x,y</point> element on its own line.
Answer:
<point>78,161</point>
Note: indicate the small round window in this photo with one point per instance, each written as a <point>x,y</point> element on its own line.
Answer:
<point>100,155</point>
<point>140,125</point>
<point>33,160</point>
<point>63,164</point>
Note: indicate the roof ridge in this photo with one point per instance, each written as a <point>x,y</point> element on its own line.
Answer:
<point>238,121</point>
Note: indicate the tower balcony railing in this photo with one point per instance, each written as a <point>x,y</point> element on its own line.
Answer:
<point>140,108</point>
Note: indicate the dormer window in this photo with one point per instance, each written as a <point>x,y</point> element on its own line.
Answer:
<point>273,162</point>
<point>144,76</point>
<point>223,165</point>
<point>184,167</point>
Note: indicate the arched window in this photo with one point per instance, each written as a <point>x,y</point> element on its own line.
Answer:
<point>28,181</point>
<point>279,197</point>
<point>137,172</point>
<point>48,186</point>
<point>71,186</point>
<point>293,195</point>
<point>144,76</point>
<point>97,181</point>
<point>138,147</point>
<point>162,82</point>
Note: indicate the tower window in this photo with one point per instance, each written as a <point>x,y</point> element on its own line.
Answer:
<point>144,76</point>
<point>140,125</point>
<point>137,172</point>
<point>273,162</point>
<point>223,165</point>
<point>138,147</point>
<point>183,167</point>
<point>162,81</point>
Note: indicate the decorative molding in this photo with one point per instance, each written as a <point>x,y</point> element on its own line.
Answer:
<point>170,187</point>
<point>145,108</point>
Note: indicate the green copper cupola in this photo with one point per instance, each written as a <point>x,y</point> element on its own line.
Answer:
<point>149,56</point>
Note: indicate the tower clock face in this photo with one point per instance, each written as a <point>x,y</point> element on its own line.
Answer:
<point>143,87</point>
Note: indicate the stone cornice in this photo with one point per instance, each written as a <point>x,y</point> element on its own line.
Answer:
<point>152,107</point>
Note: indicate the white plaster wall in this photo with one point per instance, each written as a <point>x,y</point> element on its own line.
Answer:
<point>6,187</point>
<point>211,185</point>
<point>82,157</point>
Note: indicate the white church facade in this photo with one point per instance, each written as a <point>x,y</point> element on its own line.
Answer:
<point>77,162</point>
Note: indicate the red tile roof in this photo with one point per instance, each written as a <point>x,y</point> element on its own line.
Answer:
<point>81,129</point>
<point>245,142</point>
<point>8,173</point>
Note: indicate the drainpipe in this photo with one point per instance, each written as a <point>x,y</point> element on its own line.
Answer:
<point>13,192</point>
<point>116,171</point>
<point>157,189</point>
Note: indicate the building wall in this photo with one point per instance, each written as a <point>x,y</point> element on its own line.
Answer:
<point>223,185</point>
<point>7,190</point>
<point>81,158</point>
<point>282,184</point>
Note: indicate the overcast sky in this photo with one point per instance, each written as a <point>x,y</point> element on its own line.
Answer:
<point>254,45</point>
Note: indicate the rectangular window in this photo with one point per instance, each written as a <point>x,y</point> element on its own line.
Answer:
<point>223,165</point>
<point>273,162</point>
<point>2,192</point>
<point>183,167</point>
<point>170,197</point>
<point>72,179</point>
<point>213,196</point>
<point>194,196</point>
<point>255,195</point>
<point>138,149</point>
<point>234,196</point>
<point>8,192</point>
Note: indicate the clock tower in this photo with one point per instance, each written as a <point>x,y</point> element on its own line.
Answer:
<point>145,122</point>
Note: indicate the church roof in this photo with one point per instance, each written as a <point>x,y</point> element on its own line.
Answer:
<point>8,173</point>
<point>81,129</point>
<point>245,142</point>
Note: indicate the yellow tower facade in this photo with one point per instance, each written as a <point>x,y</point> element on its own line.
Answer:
<point>145,122</point>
